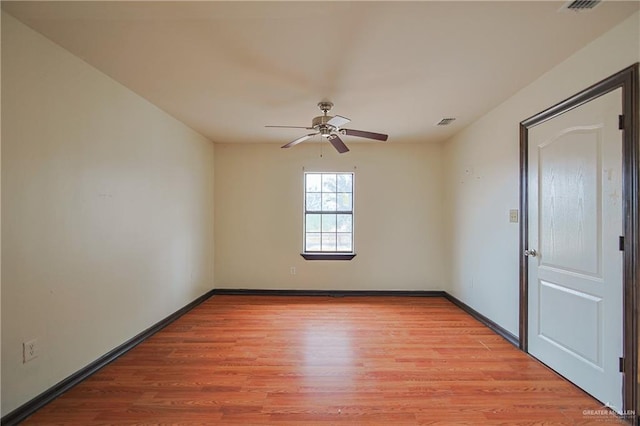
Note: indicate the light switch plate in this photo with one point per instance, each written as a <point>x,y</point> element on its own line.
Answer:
<point>513,215</point>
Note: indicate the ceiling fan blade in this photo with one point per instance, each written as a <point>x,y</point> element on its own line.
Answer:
<point>292,127</point>
<point>338,120</point>
<point>363,134</point>
<point>338,144</point>
<point>300,139</point>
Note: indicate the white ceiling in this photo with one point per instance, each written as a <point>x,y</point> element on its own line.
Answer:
<point>226,69</point>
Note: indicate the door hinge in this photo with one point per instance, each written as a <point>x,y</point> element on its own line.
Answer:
<point>621,122</point>
<point>621,365</point>
<point>621,243</point>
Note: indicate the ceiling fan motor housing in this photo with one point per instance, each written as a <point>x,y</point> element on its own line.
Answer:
<point>321,120</point>
<point>320,123</point>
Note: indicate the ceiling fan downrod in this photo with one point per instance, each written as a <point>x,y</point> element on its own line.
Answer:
<point>321,122</point>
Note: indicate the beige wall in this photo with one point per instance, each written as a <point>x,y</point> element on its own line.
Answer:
<point>107,210</point>
<point>482,172</point>
<point>398,216</point>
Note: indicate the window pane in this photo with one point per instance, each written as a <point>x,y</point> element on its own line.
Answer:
<point>344,223</point>
<point>328,202</point>
<point>345,182</point>
<point>328,223</point>
<point>312,242</point>
<point>314,202</point>
<point>314,182</point>
<point>313,223</point>
<point>344,201</point>
<point>328,242</point>
<point>328,183</point>
<point>345,242</point>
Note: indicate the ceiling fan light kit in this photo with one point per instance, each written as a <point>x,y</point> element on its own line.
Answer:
<point>329,127</point>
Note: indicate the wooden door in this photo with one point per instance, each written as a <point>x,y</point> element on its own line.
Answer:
<point>575,265</point>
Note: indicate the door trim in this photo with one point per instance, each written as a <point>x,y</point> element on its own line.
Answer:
<point>627,80</point>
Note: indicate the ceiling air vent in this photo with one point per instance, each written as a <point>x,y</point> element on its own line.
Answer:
<point>579,5</point>
<point>445,121</point>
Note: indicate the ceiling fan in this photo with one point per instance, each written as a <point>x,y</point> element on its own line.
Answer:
<point>330,127</point>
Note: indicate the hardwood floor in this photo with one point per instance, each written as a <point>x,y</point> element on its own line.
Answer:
<point>319,360</point>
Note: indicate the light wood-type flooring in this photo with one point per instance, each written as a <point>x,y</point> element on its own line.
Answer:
<point>258,360</point>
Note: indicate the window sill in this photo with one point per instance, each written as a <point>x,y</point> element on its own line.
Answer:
<point>328,256</point>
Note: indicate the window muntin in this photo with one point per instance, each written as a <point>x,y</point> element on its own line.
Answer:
<point>328,217</point>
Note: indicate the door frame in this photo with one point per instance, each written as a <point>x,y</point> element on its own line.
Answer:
<point>627,80</point>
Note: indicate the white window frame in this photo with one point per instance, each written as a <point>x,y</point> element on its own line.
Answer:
<point>328,254</point>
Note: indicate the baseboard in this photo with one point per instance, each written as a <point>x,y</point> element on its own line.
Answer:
<point>30,407</point>
<point>509,337</point>
<point>328,293</point>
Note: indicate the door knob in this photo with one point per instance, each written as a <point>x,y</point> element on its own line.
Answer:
<point>531,253</point>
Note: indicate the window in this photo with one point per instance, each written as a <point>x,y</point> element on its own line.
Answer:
<point>328,216</point>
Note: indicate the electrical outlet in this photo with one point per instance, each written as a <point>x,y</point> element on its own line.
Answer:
<point>293,270</point>
<point>29,350</point>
